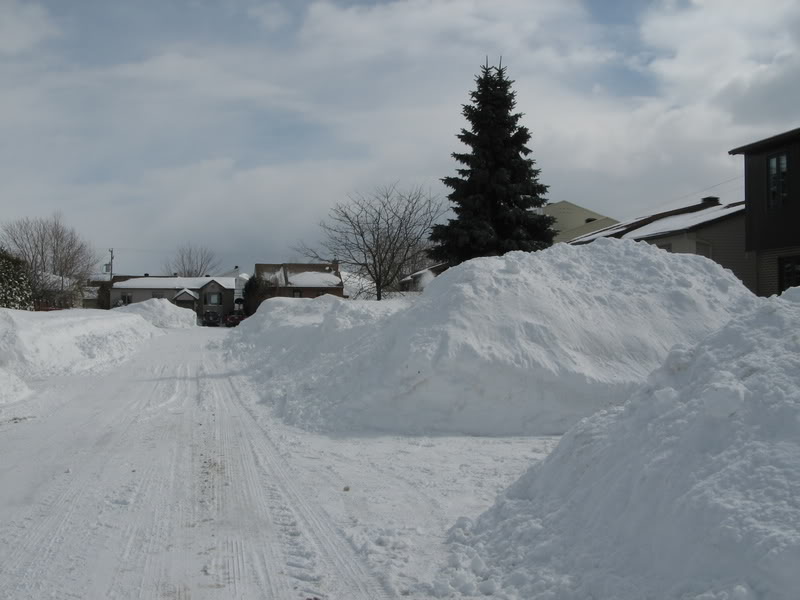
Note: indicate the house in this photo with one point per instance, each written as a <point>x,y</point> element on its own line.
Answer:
<point>708,228</point>
<point>199,294</point>
<point>416,282</point>
<point>573,220</point>
<point>772,209</point>
<point>294,280</point>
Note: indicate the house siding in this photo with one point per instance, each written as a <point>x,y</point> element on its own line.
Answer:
<point>768,274</point>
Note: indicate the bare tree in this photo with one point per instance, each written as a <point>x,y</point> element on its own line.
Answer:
<point>191,261</point>
<point>58,260</point>
<point>379,236</point>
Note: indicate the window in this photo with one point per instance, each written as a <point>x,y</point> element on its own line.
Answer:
<point>158,294</point>
<point>126,298</point>
<point>297,294</point>
<point>778,191</point>
<point>214,299</point>
<point>667,247</point>
<point>788,272</point>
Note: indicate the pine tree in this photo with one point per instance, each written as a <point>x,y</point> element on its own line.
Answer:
<point>15,288</point>
<point>495,193</point>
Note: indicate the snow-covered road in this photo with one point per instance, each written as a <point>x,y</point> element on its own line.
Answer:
<point>164,479</point>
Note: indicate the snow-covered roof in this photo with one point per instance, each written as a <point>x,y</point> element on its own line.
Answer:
<point>194,295</point>
<point>314,279</point>
<point>313,275</point>
<point>666,222</point>
<point>174,283</point>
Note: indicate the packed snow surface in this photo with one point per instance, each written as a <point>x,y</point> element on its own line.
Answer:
<point>162,313</point>
<point>526,343</point>
<point>38,344</point>
<point>690,490</point>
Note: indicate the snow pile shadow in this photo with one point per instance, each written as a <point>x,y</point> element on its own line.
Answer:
<point>39,344</point>
<point>526,343</point>
<point>691,490</point>
<point>161,313</point>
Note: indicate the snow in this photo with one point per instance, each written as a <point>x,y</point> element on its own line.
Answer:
<point>524,344</point>
<point>664,225</point>
<point>314,279</point>
<point>38,344</point>
<point>689,490</point>
<point>162,313</point>
<point>174,283</point>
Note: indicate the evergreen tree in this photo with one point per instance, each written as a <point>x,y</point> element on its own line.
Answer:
<point>15,288</point>
<point>495,193</point>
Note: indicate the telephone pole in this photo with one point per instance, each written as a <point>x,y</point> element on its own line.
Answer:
<point>111,265</point>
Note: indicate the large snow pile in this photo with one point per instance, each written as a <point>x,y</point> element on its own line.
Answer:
<point>39,344</point>
<point>162,313</point>
<point>691,490</point>
<point>526,343</point>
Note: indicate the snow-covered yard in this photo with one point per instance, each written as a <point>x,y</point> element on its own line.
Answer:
<point>362,450</point>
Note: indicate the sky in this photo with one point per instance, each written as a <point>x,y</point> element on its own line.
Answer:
<point>237,125</point>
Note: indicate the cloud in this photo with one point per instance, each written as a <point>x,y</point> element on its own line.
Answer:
<point>246,139</point>
<point>23,26</point>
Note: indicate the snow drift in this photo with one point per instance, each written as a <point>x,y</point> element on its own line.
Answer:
<point>526,343</point>
<point>39,344</point>
<point>162,313</point>
<point>691,490</point>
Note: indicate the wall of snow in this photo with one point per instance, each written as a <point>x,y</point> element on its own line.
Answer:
<point>691,490</point>
<point>162,313</point>
<point>527,343</point>
<point>39,344</point>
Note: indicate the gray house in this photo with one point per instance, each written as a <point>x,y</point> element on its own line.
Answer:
<point>708,228</point>
<point>199,294</point>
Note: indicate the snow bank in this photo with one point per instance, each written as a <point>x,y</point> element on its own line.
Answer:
<point>526,343</point>
<point>38,344</point>
<point>162,313</point>
<point>691,490</point>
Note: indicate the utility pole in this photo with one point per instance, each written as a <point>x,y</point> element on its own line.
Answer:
<point>111,265</point>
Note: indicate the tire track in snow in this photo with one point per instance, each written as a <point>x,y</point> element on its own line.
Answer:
<point>346,576</point>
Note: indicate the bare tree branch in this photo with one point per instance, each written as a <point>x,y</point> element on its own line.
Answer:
<point>57,258</point>
<point>191,261</point>
<point>379,236</point>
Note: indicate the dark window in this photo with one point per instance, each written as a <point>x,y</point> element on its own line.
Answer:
<point>667,247</point>
<point>214,299</point>
<point>297,294</point>
<point>126,298</point>
<point>778,192</point>
<point>158,294</point>
<point>788,272</point>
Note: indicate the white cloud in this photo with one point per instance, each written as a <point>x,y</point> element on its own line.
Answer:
<point>23,26</point>
<point>182,141</point>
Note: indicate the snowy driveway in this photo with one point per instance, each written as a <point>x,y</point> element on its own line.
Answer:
<point>164,479</point>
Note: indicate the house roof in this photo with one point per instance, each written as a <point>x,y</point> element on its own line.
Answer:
<point>174,283</point>
<point>667,222</point>
<point>767,143</point>
<point>188,292</point>
<point>436,269</point>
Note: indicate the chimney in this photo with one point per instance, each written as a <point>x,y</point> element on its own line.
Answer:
<point>147,274</point>
<point>710,200</point>
<point>174,274</point>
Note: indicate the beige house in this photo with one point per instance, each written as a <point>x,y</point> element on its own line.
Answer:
<point>573,220</point>
<point>294,280</point>
<point>199,294</point>
<point>708,228</point>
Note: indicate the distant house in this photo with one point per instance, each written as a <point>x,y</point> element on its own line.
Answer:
<point>416,281</point>
<point>199,294</point>
<point>573,220</point>
<point>295,280</point>
<point>772,200</point>
<point>708,228</point>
